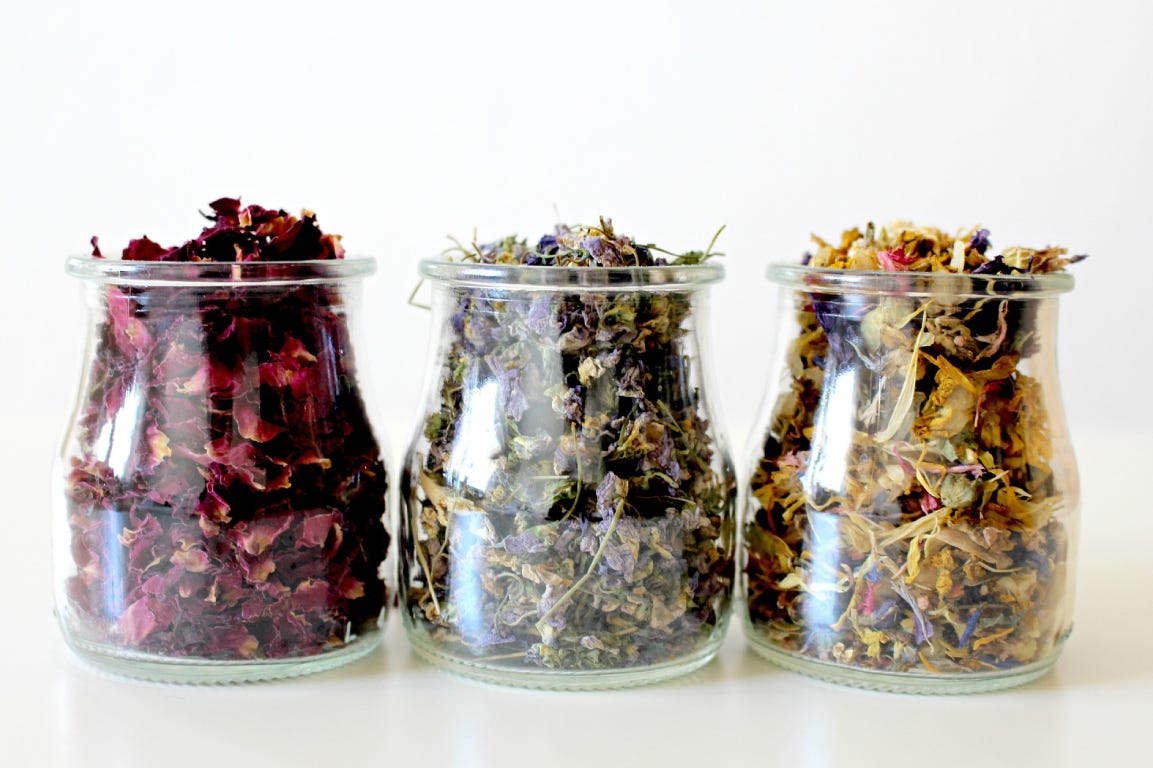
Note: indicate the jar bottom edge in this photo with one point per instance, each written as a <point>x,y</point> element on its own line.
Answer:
<point>185,671</point>
<point>901,682</point>
<point>563,680</point>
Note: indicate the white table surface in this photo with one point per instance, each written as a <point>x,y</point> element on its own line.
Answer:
<point>393,709</point>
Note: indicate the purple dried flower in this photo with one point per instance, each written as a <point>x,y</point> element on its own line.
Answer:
<point>995,266</point>
<point>980,241</point>
<point>602,251</point>
<point>524,544</point>
<point>547,244</point>
<point>610,491</point>
<point>970,626</point>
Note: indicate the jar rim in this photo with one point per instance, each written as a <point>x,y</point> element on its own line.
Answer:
<point>222,273</point>
<point>512,276</point>
<point>959,285</point>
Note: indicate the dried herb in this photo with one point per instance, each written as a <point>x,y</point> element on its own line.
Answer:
<point>226,491</point>
<point>568,506</point>
<point>905,515</point>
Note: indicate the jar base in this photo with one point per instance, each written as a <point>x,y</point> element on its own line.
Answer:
<point>186,671</point>
<point>561,680</point>
<point>900,682</point>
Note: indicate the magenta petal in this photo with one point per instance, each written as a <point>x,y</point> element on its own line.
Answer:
<point>137,622</point>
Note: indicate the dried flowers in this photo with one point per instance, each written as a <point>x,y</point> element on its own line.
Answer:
<point>910,510</point>
<point>568,505</point>
<point>225,491</point>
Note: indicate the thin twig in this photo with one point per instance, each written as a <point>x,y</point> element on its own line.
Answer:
<point>588,573</point>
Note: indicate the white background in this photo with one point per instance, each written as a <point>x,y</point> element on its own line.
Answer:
<point>402,124</point>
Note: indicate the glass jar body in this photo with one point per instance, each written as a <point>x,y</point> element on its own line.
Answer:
<point>567,505</point>
<point>220,496</point>
<point>911,518</point>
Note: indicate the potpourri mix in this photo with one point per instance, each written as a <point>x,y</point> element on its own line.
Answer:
<point>904,515</point>
<point>568,506</point>
<point>225,493</point>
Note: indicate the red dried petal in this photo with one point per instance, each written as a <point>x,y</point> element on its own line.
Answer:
<point>255,538</point>
<point>144,250</point>
<point>259,569</point>
<point>212,507</point>
<point>311,595</point>
<point>194,560</point>
<point>140,540</point>
<point>351,588</point>
<point>137,622</point>
<point>158,449</point>
<point>129,332</point>
<point>250,426</point>
<point>894,260</point>
<point>314,530</point>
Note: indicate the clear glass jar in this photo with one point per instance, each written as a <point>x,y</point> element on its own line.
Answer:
<point>220,495</point>
<point>912,512</point>
<point>568,503</point>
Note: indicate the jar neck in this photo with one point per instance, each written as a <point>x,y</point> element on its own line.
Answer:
<point>182,297</point>
<point>570,279</point>
<point>208,275</point>
<point>926,285</point>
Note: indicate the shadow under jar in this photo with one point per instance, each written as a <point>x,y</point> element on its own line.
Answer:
<point>912,514</point>
<point>568,503</point>
<point>220,495</point>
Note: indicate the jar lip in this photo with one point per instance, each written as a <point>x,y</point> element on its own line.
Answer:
<point>224,273</point>
<point>959,285</point>
<point>474,274</point>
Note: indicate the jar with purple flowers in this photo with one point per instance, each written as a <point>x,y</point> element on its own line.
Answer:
<point>567,502</point>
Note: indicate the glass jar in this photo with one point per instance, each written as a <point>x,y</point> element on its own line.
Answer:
<point>220,495</point>
<point>912,513</point>
<point>568,503</point>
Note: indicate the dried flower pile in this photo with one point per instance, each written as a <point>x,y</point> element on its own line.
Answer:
<point>905,515</point>
<point>226,491</point>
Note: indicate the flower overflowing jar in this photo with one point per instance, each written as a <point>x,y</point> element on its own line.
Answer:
<point>567,504</point>
<point>911,516</point>
<point>221,492</point>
